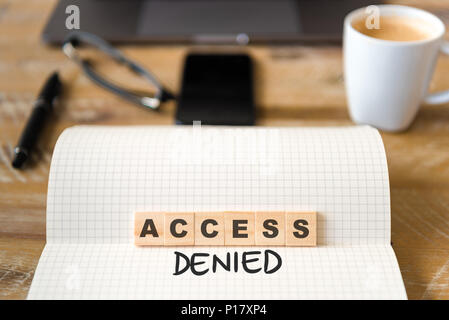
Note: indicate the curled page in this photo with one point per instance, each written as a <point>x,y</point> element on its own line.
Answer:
<point>100,176</point>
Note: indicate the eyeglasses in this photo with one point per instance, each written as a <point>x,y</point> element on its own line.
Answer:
<point>80,38</point>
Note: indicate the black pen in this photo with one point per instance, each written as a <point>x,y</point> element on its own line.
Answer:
<point>43,108</point>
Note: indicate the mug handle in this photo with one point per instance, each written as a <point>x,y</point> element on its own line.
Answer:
<point>442,96</point>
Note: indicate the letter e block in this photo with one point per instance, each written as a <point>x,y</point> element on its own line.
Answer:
<point>301,228</point>
<point>179,229</point>
<point>270,228</point>
<point>149,228</point>
<point>209,229</point>
<point>239,228</point>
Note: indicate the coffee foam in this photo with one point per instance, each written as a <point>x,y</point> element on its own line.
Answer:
<point>396,28</point>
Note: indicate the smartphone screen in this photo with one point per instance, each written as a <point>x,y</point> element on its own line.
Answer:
<point>217,89</point>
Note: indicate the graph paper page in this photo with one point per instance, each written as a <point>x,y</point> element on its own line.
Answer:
<point>100,176</point>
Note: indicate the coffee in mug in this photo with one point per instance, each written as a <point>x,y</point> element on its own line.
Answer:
<point>387,71</point>
<point>396,28</point>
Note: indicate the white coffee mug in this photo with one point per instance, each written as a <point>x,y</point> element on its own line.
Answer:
<point>386,81</point>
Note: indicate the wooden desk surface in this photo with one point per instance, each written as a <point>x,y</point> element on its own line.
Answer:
<point>295,85</point>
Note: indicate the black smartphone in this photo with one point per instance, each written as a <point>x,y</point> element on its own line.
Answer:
<point>217,89</point>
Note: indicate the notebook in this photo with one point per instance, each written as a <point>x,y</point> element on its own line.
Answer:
<point>101,175</point>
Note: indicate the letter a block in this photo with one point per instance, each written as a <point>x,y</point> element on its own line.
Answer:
<point>179,229</point>
<point>149,228</point>
<point>209,229</point>
<point>239,228</point>
<point>300,228</point>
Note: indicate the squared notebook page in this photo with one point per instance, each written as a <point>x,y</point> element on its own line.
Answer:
<point>101,175</point>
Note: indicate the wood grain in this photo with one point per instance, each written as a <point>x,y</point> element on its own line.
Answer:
<point>295,86</point>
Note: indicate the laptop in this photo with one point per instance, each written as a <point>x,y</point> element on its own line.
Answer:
<point>205,21</point>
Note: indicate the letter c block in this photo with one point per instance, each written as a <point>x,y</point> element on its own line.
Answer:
<point>179,229</point>
<point>209,229</point>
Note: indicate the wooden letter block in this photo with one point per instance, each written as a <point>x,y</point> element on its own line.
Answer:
<point>209,229</point>
<point>179,229</point>
<point>149,228</point>
<point>300,228</point>
<point>270,228</point>
<point>239,228</point>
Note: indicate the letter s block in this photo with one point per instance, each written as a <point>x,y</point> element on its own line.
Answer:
<point>300,228</point>
<point>179,229</point>
<point>149,228</point>
<point>270,228</point>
